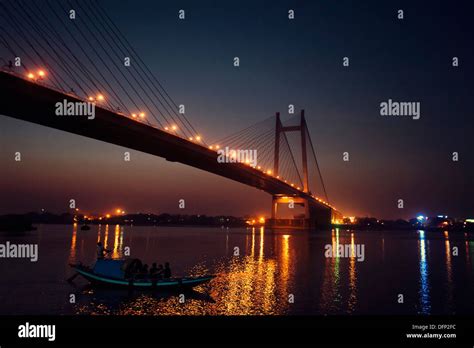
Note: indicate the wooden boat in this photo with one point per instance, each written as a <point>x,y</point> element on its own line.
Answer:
<point>114,273</point>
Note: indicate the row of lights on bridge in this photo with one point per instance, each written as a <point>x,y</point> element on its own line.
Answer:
<point>41,74</point>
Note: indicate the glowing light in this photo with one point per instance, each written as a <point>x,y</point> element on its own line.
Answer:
<point>211,147</point>
<point>100,97</point>
<point>174,128</point>
<point>31,76</point>
<point>259,167</point>
<point>217,147</point>
<point>292,185</point>
<point>420,218</point>
<point>269,172</point>
<point>119,211</point>
<point>91,98</point>
<point>134,115</point>
<point>41,73</point>
<point>198,138</point>
<point>166,128</point>
<point>142,114</point>
<point>261,220</point>
<point>107,216</point>
<point>190,138</point>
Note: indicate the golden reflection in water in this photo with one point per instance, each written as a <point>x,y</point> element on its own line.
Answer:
<point>72,253</point>
<point>98,233</point>
<point>252,248</point>
<point>115,250</point>
<point>352,278</point>
<point>330,296</point>
<point>106,236</point>
<point>284,265</point>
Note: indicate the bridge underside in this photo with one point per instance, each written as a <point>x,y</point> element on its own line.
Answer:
<point>314,215</point>
<point>32,102</point>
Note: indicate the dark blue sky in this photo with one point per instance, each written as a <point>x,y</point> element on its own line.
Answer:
<point>282,62</point>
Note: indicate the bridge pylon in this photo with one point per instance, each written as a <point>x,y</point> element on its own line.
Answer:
<point>313,215</point>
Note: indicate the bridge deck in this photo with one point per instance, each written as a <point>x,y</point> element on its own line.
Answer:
<point>33,102</point>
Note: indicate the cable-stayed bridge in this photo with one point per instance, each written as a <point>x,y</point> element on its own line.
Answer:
<point>72,52</point>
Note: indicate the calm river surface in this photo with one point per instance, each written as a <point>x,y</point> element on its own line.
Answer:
<point>434,271</point>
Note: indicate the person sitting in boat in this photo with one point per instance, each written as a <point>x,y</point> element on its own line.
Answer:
<point>153,269</point>
<point>101,251</point>
<point>144,271</point>
<point>160,271</point>
<point>167,271</point>
<point>156,272</point>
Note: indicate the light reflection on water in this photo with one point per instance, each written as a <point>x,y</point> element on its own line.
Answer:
<point>259,272</point>
<point>424,285</point>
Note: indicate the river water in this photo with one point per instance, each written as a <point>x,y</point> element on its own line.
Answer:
<point>259,271</point>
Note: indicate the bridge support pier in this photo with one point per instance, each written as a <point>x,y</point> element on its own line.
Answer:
<point>313,216</point>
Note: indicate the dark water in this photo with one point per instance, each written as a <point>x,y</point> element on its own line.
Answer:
<point>272,268</point>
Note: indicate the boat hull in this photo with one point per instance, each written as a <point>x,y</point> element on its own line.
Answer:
<point>172,283</point>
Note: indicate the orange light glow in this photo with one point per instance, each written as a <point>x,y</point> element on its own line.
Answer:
<point>134,115</point>
<point>100,97</point>
<point>91,98</point>
<point>41,73</point>
<point>31,76</point>
<point>142,114</point>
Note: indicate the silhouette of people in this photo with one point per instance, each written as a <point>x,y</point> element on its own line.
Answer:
<point>101,251</point>
<point>153,269</point>
<point>144,271</point>
<point>167,271</point>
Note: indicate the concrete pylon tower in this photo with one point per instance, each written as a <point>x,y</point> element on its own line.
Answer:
<point>302,128</point>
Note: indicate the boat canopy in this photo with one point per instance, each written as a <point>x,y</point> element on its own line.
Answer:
<point>114,268</point>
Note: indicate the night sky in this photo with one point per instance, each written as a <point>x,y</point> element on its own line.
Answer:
<point>281,62</point>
